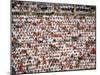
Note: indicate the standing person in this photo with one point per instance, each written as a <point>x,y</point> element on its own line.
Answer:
<point>21,66</point>
<point>13,72</point>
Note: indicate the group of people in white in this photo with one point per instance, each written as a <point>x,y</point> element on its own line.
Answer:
<point>53,43</point>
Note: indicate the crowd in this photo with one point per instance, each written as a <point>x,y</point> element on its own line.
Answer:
<point>46,43</point>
